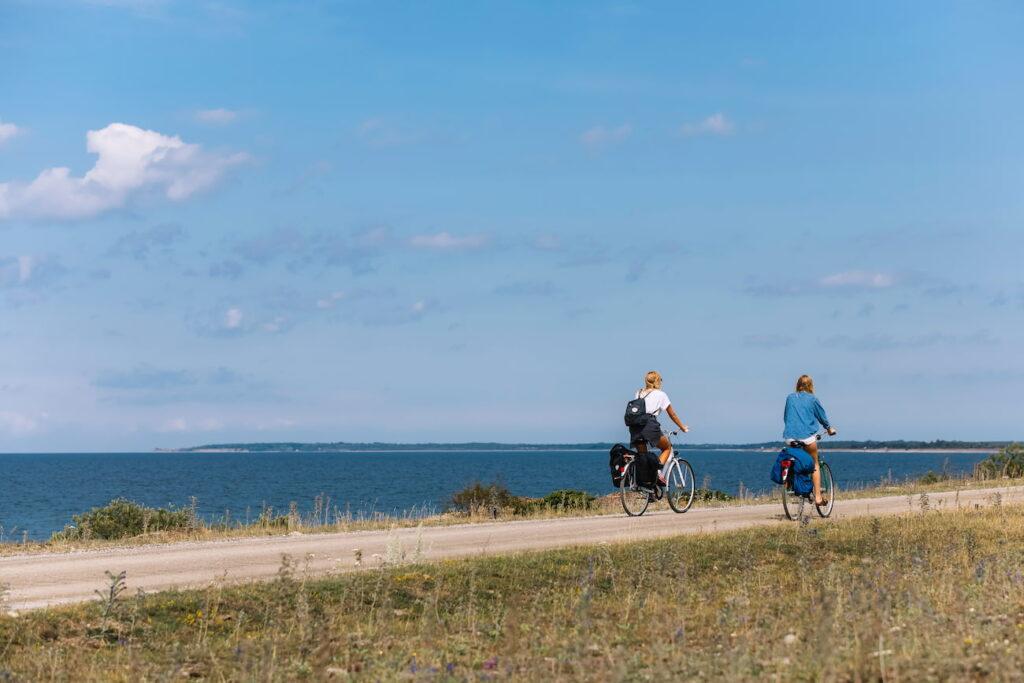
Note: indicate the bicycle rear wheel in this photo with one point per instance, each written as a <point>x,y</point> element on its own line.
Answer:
<point>790,500</point>
<point>681,486</point>
<point>634,499</point>
<point>828,490</point>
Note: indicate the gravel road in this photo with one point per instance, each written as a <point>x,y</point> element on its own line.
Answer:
<point>40,580</point>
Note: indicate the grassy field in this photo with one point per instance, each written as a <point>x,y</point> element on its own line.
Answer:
<point>932,596</point>
<point>324,521</point>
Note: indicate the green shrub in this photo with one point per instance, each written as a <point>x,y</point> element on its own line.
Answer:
<point>123,519</point>
<point>710,495</point>
<point>490,498</point>
<point>1009,462</point>
<point>568,499</point>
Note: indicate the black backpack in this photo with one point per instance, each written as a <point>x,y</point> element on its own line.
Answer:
<point>636,412</point>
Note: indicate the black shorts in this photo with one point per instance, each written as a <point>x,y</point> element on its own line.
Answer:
<point>649,431</point>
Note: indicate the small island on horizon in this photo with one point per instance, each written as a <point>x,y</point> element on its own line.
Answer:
<point>350,447</point>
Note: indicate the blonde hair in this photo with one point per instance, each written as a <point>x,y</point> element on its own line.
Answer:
<point>652,380</point>
<point>805,383</point>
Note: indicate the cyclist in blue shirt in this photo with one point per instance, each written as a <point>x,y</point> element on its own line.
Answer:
<point>802,416</point>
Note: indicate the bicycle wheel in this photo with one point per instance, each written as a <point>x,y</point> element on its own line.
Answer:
<point>634,499</point>
<point>828,490</point>
<point>680,488</point>
<point>790,501</point>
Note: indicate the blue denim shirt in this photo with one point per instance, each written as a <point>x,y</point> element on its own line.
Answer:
<point>803,415</point>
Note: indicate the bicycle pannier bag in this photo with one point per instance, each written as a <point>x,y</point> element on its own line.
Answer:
<point>617,462</point>
<point>803,466</point>
<point>647,466</point>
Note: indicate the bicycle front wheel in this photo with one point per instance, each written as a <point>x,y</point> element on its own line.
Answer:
<point>828,490</point>
<point>634,499</point>
<point>681,486</point>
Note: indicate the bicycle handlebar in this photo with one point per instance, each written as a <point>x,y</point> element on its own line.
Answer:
<point>817,437</point>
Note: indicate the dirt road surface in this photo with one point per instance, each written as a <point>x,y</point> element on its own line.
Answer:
<point>41,580</point>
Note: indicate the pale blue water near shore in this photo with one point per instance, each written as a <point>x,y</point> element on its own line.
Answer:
<point>40,492</point>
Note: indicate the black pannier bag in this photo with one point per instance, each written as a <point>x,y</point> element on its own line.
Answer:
<point>617,462</point>
<point>647,466</point>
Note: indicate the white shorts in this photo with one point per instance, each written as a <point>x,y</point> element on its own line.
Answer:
<point>813,438</point>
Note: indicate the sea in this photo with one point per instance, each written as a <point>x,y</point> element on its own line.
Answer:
<point>40,492</point>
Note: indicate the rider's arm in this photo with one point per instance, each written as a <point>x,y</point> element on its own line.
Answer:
<point>819,413</point>
<point>675,418</point>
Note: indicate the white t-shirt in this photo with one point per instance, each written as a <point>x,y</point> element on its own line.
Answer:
<point>655,400</point>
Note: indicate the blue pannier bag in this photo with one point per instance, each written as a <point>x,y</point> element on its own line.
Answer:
<point>803,466</point>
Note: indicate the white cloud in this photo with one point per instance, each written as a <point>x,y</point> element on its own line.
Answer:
<point>17,424</point>
<point>330,300</point>
<point>216,116</point>
<point>177,424</point>
<point>29,271</point>
<point>547,242</point>
<point>180,424</point>
<point>130,161</point>
<point>716,124</point>
<point>378,132</point>
<point>25,265</point>
<point>8,131</point>
<point>445,241</point>
<point>233,318</point>
<point>602,136</point>
<point>859,279</point>
<point>275,325</point>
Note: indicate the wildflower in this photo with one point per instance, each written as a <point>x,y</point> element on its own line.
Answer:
<point>491,663</point>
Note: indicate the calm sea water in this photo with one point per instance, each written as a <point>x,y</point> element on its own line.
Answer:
<point>40,492</point>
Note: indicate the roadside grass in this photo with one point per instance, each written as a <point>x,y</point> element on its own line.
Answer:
<point>323,519</point>
<point>931,596</point>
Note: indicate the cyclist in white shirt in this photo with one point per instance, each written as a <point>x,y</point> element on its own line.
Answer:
<point>649,432</point>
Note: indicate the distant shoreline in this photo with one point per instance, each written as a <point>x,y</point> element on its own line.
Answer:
<point>723,449</point>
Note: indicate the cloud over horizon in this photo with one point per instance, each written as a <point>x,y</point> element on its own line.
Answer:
<point>859,279</point>
<point>600,136</point>
<point>216,116</point>
<point>715,124</point>
<point>8,131</point>
<point>850,281</point>
<point>131,161</point>
<point>445,241</point>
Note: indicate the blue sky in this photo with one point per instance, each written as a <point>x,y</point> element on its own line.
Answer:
<point>382,221</point>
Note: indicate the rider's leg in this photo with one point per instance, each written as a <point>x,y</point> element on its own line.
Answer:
<point>812,450</point>
<point>666,451</point>
<point>665,444</point>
